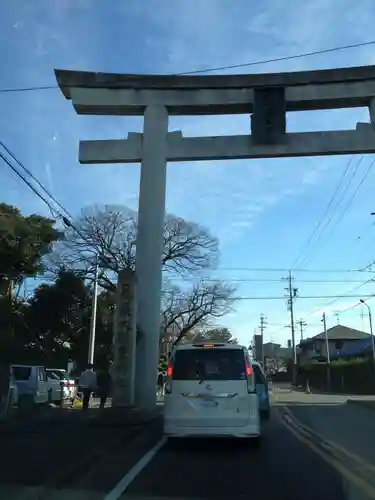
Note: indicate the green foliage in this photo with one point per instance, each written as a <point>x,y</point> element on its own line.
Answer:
<point>163,364</point>
<point>24,241</point>
<point>343,363</point>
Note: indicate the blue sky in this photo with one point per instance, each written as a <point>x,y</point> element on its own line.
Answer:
<point>263,211</point>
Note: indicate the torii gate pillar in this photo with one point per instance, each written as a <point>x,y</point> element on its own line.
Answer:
<point>150,239</point>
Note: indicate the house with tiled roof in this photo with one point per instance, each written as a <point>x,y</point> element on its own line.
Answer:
<point>340,338</point>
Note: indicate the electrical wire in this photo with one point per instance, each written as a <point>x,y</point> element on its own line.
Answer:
<point>346,207</point>
<point>345,295</point>
<point>212,69</point>
<point>29,184</point>
<point>29,173</point>
<point>309,297</point>
<point>286,270</point>
<point>308,242</point>
<point>258,280</point>
<point>337,205</point>
<point>56,214</point>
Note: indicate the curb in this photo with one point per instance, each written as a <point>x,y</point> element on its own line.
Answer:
<point>370,405</point>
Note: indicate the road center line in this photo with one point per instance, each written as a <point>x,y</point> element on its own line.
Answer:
<point>129,477</point>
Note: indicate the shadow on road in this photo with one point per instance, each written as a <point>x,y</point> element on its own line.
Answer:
<point>54,450</point>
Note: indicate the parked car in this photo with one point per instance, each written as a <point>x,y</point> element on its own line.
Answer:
<point>13,394</point>
<point>61,387</point>
<point>31,383</point>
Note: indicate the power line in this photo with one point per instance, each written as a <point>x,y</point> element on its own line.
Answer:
<point>309,297</point>
<point>345,295</point>
<point>296,270</point>
<point>212,69</point>
<point>29,184</point>
<point>256,280</point>
<point>328,221</point>
<point>282,58</point>
<point>347,206</point>
<point>307,244</point>
<point>35,179</point>
<point>53,210</point>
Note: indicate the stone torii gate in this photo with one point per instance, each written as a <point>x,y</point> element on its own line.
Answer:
<point>266,97</point>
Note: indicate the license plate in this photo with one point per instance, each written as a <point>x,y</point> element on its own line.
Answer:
<point>209,403</point>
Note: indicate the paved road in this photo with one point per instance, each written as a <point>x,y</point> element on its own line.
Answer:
<point>290,464</point>
<point>279,469</point>
<point>346,431</point>
<point>295,460</point>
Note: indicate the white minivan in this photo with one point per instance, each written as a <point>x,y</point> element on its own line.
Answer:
<point>210,392</point>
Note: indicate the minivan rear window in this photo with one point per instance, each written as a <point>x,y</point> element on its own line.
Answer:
<point>21,372</point>
<point>209,364</point>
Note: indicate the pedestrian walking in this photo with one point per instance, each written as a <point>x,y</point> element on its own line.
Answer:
<point>160,385</point>
<point>104,384</point>
<point>87,385</point>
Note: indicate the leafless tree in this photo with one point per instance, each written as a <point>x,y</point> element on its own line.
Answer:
<point>185,310</point>
<point>110,233</point>
<point>216,334</point>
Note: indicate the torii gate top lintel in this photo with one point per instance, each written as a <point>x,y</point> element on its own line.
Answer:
<point>67,79</point>
<point>266,97</point>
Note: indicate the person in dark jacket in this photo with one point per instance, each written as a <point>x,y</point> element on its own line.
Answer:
<point>104,384</point>
<point>160,385</point>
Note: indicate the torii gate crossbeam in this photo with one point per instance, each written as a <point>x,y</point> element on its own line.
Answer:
<point>266,97</point>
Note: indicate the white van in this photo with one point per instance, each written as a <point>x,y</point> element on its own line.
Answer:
<point>210,392</point>
<point>31,383</point>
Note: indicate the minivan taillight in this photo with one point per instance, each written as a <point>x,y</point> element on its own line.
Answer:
<point>250,377</point>
<point>249,369</point>
<point>168,383</point>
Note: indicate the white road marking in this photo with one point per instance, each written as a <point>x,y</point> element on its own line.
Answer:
<point>129,477</point>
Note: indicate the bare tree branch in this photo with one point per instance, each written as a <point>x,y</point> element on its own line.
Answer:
<point>185,310</point>
<point>110,233</point>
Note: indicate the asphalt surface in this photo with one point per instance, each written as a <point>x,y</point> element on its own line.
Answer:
<point>280,468</point>
<point>291,463</point>
<point>58,448</point>
<point>314,446</point>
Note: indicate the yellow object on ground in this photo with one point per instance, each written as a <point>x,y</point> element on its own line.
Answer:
<point>78,400</point>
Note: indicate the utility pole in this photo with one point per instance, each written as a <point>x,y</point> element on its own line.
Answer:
<point>262,327</point>
<point>93,314</point>
<point>302,324</point>
<point>291,296</point>
<point>327,349</point>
